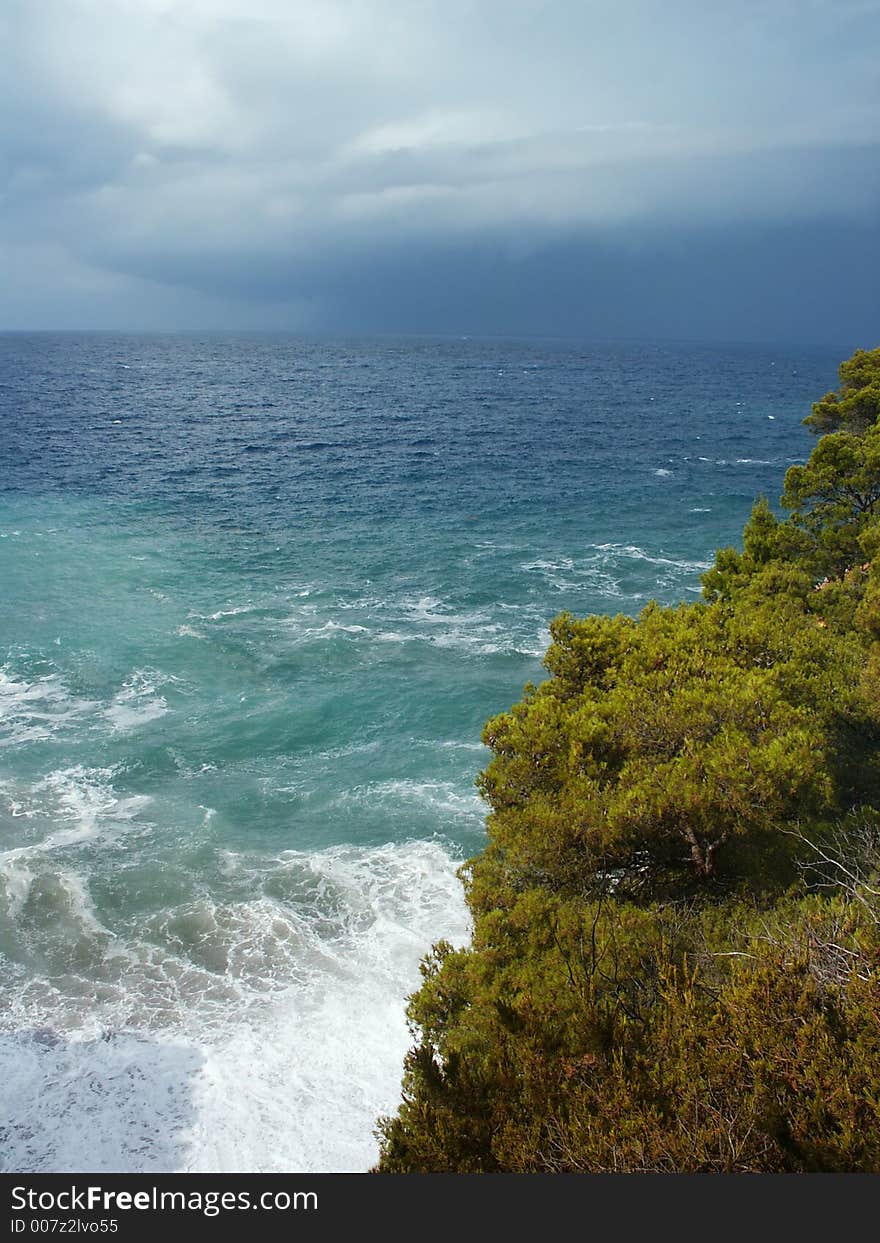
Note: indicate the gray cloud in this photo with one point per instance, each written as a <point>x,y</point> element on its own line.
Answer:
<point>296,162</point>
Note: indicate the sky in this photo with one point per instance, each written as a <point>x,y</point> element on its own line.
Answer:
<point>607,169</point>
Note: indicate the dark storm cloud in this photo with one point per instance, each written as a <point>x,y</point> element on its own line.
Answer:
<point>607,168</point>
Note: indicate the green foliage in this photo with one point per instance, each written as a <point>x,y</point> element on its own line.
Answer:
<point>676,952</point>
<point>649,752</point>
<point>600,1036</point>
<point>856,407</point>
<point>835,495</point>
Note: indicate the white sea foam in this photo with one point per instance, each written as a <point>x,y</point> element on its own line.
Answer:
<point>478,632</point>
<point>45,708</point>
<point>32,711</point>
<point>128,1117</point>
<point>239,610</point>
<point>443,797</point>
<point>79,804</point>
<point>333,625</point>
<point>138,702</point>
<point>261,1034</point>
<point>394,620</point>
<point>634,553</point>
<point>543,641</point>
<point>433,611</point>
<point>606,570</point>
<point>189,632</point>
<point>393,636</point>
<point>77,901</point>
<point>543,563</point>
<point>16,878</point>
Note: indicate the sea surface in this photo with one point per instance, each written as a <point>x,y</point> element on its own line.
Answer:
<point>258,596</point>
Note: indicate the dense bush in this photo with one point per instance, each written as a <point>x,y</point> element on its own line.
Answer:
<point>676,954</point>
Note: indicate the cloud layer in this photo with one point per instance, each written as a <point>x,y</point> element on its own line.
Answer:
<point>428,166</point>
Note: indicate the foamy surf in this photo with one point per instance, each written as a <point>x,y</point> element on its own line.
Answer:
<point>616,572</point>
<point>139,701</point>
<point>258,1035</point>
<point>33,710</point>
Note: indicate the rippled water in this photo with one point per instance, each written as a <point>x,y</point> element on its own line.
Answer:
<point>258,597</point>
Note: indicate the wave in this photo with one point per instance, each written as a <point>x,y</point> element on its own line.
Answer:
<point>35,710</point>
<point>263,1034</point>
<point>442,797</point>
<point>609,571</point>
<point>42,708</point>
<point>625,574</point>
<point>424,619</point>
<point>76,804</point>
<point>139,701</point>
<point>635,553</point>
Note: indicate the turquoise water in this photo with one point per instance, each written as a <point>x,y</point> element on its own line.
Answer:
<point>258,597</point>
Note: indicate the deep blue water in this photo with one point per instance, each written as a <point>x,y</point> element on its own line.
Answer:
<point>258,597</point>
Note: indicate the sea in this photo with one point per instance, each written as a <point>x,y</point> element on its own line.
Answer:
<point>258,597</point>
